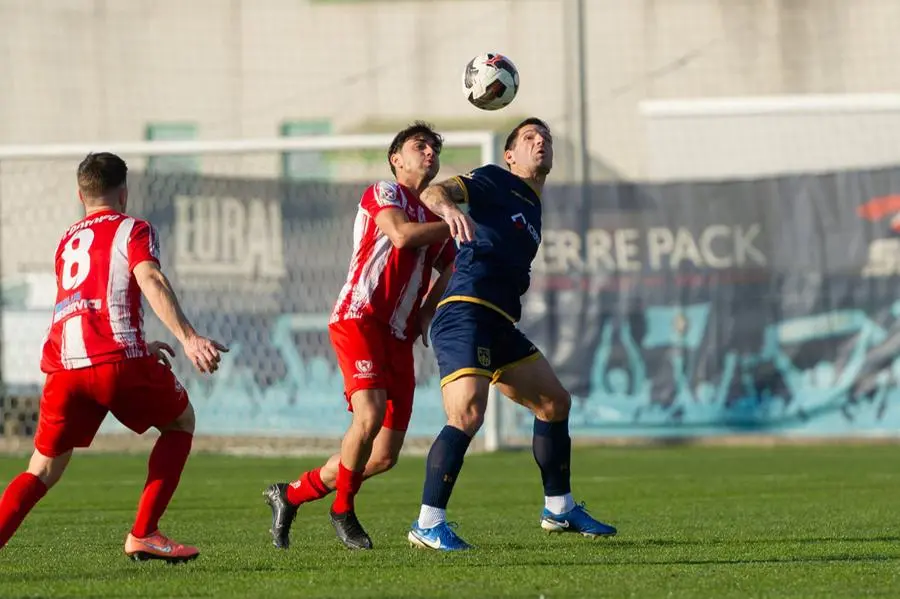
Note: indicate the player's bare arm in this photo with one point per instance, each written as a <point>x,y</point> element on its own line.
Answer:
<point>443,199</point>
<point>394,223</point>
<point>202,352</point>
<point>429,304</point>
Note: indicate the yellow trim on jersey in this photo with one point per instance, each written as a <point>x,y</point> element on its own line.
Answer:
<point>475,300</point>
<point>458,180</point>
<point>511,365</point>
<point>464,372</point>
<point>523,198</point>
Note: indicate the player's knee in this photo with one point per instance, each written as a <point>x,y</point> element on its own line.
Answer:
<point>368,423</point>
<point>557,406</point>
<point>468,418</point>
<point>48,469</point>
<point>368,412</point>
<point>465,401</point>
<point>367,418</point>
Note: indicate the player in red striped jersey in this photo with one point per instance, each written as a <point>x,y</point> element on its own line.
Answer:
<point>97,360</point>
<point>378,315</point>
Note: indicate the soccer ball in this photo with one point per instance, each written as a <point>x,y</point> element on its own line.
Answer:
<point>490,81</point>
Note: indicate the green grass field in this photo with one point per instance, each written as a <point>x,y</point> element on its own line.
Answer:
<point>693,522</point>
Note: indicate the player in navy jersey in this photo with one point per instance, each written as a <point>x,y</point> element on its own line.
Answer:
<point>477,343</point>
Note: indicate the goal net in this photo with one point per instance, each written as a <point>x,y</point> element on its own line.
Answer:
<point>256,236</point>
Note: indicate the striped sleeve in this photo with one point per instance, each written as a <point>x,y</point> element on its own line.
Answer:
<point>383,194</point>
<point>143,244</point>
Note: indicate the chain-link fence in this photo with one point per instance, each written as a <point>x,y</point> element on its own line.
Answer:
<point>257,258</point>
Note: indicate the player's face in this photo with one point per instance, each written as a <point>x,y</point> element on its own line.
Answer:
<point>533,150</point>
<point>418,158</point>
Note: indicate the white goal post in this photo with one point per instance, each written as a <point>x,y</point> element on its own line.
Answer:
<point>485,140</point>
<point>39,178</point>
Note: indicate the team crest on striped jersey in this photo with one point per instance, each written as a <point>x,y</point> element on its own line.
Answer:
<point>386,194</point>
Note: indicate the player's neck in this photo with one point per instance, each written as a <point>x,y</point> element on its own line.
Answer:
<point>90,210</point>
<point>418,186</point>
<point>96,209</point>
<point>536,183</point>
<point>534,180</point>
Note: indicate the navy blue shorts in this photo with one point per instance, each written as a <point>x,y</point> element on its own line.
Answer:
<point>469,338</point>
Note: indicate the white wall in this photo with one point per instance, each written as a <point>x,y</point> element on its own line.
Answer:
<point>85,70</point>
<point>101,70</point>
<point>757,136</point>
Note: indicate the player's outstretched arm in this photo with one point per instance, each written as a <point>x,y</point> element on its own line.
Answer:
<point>442,199</point>
<point>201,351</point>
<point>404,234</point>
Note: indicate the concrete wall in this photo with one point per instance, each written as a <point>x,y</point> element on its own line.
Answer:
<point>91,70</point>
<point>101,70</point>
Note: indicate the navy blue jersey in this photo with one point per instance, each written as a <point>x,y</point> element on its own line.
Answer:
<point>494,269</point>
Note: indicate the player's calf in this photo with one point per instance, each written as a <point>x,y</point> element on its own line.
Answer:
<point>369,406</point>
<point>379,464</point>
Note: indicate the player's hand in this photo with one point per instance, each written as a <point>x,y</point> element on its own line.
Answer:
<point>158,350</point>
<point>204,354</point>
<point>462,227</point>
<point>425,318</point>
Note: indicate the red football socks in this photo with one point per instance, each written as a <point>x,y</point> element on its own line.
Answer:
<point>20,496</point>
<point>348,484</point>
<point>309,487</point>
<point>164,472</point>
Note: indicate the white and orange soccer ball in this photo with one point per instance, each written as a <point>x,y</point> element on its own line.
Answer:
<point>490,81</point>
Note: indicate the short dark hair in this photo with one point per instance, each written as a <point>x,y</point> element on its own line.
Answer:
<point>417,128</point>
<point>101,173</point>
<point>514,134</point>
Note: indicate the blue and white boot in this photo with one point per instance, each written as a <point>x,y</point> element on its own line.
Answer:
<point>439,538</point>
<point>576,520</point>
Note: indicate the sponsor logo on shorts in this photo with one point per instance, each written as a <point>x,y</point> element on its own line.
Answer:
<point>484,356</point>
<point>364,369</point>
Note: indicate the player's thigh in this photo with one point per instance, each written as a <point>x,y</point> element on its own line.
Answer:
<point>532,382</point>
<point>147,394</point>
<point>69,415</point>
<point>401,385</point>
<point>360,350</point>
<point>461,336</point>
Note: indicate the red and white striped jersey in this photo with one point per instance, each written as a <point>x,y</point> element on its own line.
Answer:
<point>98,316</point>
<point>384,282</point>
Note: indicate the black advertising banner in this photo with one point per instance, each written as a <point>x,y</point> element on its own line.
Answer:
<point>693,308</point>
